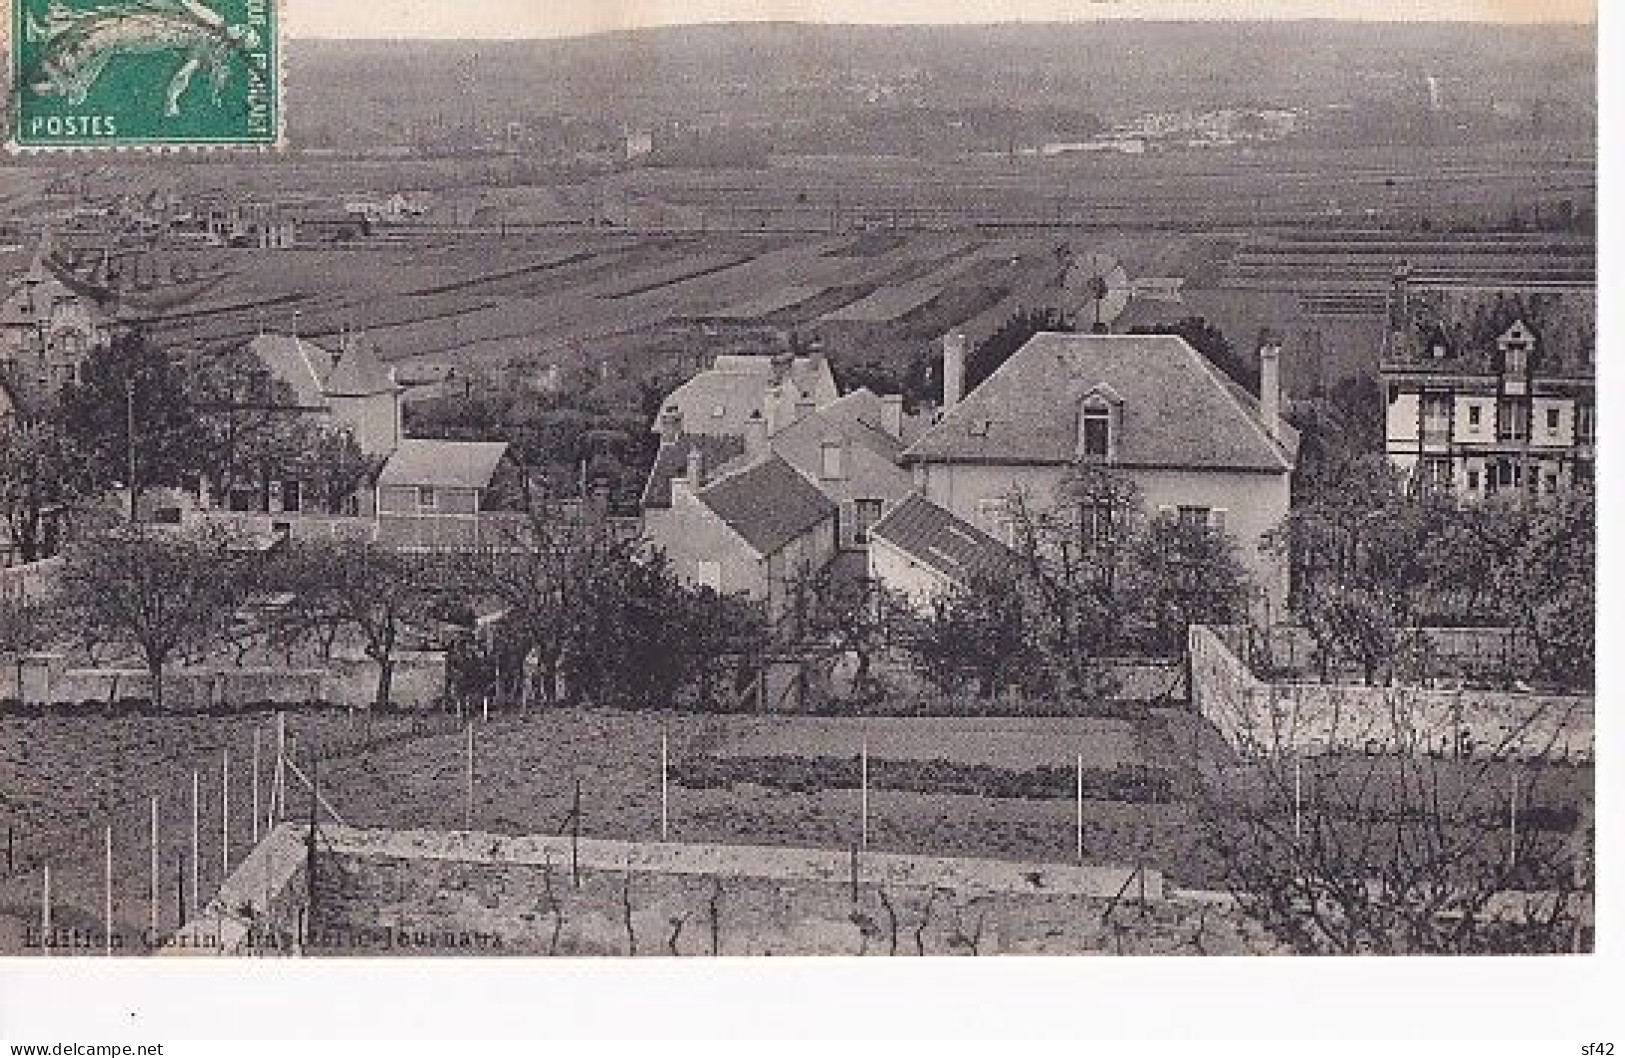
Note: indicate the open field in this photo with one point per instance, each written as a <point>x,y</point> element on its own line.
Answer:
<point>63,777</point>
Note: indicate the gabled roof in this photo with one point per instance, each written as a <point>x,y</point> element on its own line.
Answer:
<point>303,366</point>
<point>1456,328</point>
<point>1178,410</point>
<point>768,504</point>
<point>672,462</point>
<point>443,464</point>
<point>856,417</point>
<point>359,372</point>
<point>721,398</point>
<point>314,374</point>
<point>935,538</point>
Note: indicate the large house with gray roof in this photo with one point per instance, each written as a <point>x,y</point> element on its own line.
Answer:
<point>1151,408</point>
<point>1490,389</point>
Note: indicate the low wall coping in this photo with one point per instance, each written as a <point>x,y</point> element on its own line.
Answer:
<point>764,862</point>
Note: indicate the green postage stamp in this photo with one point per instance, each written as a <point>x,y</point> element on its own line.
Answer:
<point>145,73</point>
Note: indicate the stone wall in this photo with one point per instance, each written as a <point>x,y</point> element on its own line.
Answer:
<point>449,893</point>
<point>1264,719</point>
<point>419,683</point>
<point>260,910</point>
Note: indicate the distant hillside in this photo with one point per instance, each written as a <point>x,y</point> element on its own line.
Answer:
<point>783,77</point>
<point>783,72</point>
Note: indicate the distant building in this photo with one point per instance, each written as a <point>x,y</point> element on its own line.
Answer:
<point>1491,390</point>
<point>1194,443</point>
<point>350,388</point>
<point>252,225</point>
<point>639,144</point>
<point>49,324</point>
<point>721,400</point>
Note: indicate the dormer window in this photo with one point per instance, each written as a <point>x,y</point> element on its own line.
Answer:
<point>1095,440</point>
<point>1097,425</point>
<point>1516,345</point>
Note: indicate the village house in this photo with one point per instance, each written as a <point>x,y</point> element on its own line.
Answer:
<point>721,400</point>
<point>49,325</point>
<point>348,388</point>
<point>845,451</point>
<point>429,493</point>
<point>921,553</point>
<point>433,494</point>
<point>1194,443</point>
<point>1491,390</point>
<point>759,530</point>
<point>850,450</point>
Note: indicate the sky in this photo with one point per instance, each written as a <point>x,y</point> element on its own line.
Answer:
<point>453,19</point>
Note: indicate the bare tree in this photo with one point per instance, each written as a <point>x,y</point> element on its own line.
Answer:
<point>378,594</point>
<point>155,592</point>
<point>1406,852</point>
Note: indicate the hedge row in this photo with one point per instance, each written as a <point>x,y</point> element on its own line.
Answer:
<point>815,774</point>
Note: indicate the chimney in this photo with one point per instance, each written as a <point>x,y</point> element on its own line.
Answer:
<point>954,350</point>
<point>781,364</point>
<point>755,434</point>
<point>773,409</point>
<point>891,415</point>
<point>1269,383</point>
<point>671,424</point>
<point>696,469</point>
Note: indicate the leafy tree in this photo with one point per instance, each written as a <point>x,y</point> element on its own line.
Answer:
<point>1188,574</point>
<point>1075,559</point>
<point>978,630</point>
<point>43,474</point>
<point>1208,340</point>
<point>850,617</point>
<point>330,464</point>
<point>545,570</point>
<point>989,355</point>
<point>154,592</point>
<point>131,379</point>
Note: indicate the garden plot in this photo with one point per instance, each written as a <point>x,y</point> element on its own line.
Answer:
<point>1005,742</point>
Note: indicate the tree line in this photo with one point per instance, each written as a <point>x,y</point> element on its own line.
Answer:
<point>139,418</point>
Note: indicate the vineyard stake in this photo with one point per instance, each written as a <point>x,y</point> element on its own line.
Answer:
<point>196,859</point>
<point>107,888</point>
<point>152,894</point>
<point>863,794</point>
<point>665,801</point>
<point>468,805</point>
<point>254,795</point>
<point>225,815</point>
<point>1080,807</point>
<point>45,914</point>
